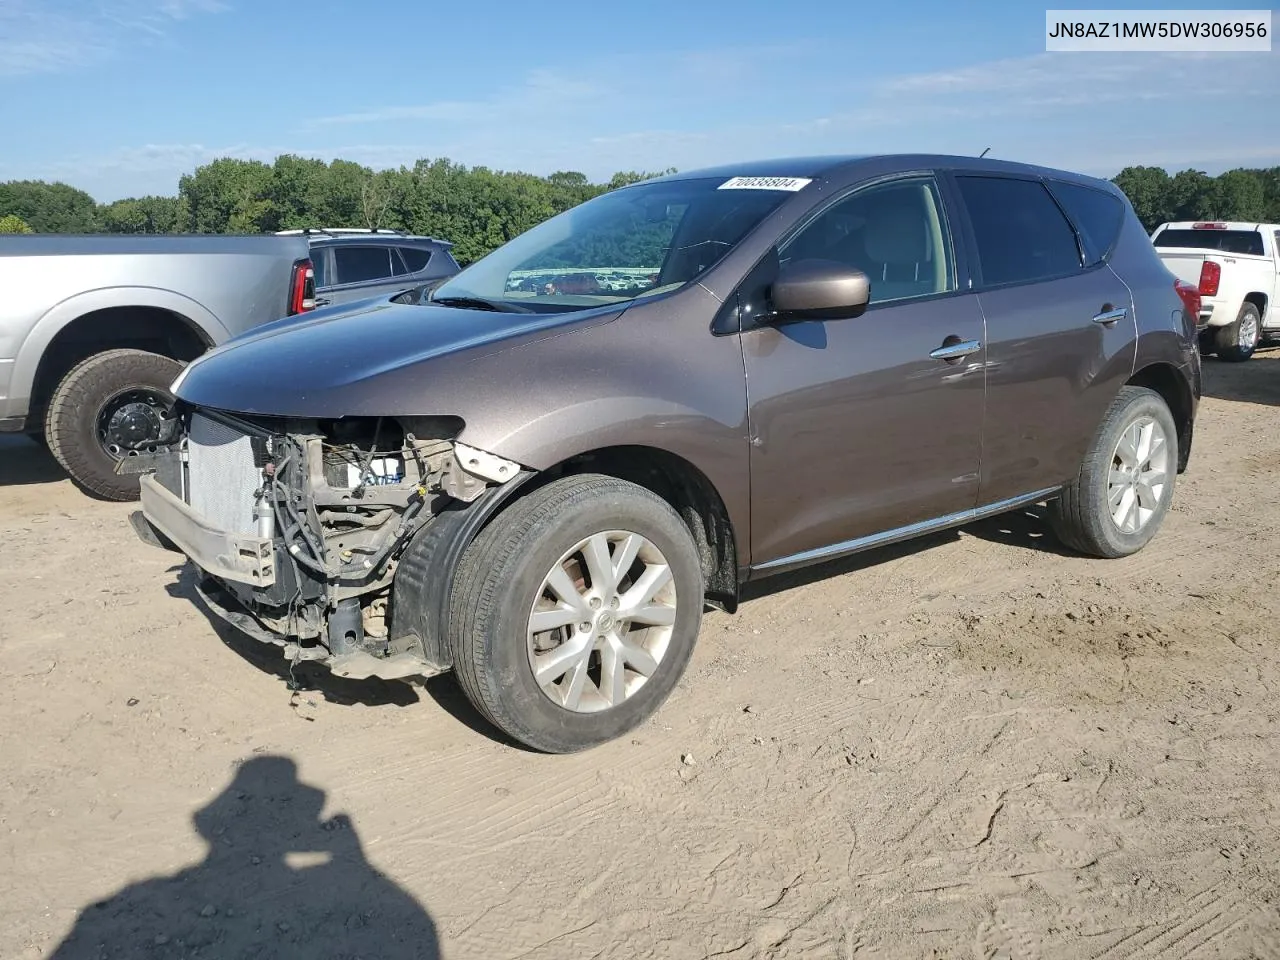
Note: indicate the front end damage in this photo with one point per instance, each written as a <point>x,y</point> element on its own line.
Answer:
<point>300,527</point>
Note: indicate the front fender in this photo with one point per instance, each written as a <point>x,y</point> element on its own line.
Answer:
<point>65,312</point>
<point>715,444</point>
<point>423,585</point>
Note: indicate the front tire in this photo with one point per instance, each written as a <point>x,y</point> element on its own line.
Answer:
<point>110,406</point>
<point>1118,500</point>
<point>1237,341</point>
<point>575,612</point>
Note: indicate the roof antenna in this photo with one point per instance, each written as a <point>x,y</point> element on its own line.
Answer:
<point>983,153</point>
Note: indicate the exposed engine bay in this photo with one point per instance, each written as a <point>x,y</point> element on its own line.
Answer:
<point>300,525</point>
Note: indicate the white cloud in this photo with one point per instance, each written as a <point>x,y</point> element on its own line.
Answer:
<point>1092,112</point>
<point>600,92</point>
<point>182,9</point>
<point>541,90</point>
<point>1075,79</point>
<point>581,119</point>
<point>53,36</point>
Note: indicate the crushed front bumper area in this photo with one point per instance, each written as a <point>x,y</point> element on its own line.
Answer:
<point>237,557</point>
<point>353,664</point>
<point>166,521</point>
<point>299,537</point>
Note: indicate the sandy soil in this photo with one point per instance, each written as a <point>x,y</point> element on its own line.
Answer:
<point>971,746</point>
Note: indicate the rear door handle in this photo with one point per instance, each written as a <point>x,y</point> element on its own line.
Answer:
<point>1108,317</point>
<point>954,351</point>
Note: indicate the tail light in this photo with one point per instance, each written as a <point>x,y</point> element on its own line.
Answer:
<point>1190,299</point>
<point>1210,275</point>
<point>302,288</point>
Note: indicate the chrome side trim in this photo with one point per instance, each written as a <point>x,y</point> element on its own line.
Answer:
<point>904,533</point>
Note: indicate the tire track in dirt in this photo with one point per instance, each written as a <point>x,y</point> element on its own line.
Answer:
<point>1060,789</point>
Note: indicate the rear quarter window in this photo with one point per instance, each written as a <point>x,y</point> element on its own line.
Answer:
<point>415,258</point>
<point>1020,232</point>
<point>1247,242</point>
<point>319,266</point>
<point>1097,215</point>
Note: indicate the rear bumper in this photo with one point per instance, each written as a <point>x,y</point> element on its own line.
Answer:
<point>228,556</point>
<point>1216,313</point>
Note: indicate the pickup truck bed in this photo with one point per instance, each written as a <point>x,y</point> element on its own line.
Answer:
<point>1236,266</point>
<point>94,329</point>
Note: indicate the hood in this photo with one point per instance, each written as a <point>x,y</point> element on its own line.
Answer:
<point>367,358</point>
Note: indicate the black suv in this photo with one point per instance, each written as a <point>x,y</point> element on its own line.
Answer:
<point>352,264</point>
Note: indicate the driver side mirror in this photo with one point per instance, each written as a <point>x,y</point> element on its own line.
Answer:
<point>819,290</point>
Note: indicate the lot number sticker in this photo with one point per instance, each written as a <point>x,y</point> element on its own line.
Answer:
<point>766,183</point>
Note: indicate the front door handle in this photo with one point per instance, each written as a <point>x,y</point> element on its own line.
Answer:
<point>954,351</point>
<point>1108,317</point>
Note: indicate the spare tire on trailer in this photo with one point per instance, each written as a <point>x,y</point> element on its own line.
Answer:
<point>110,406</point>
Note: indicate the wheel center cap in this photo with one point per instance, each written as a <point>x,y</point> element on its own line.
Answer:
<point>606,621</point>
<point>134,424</point>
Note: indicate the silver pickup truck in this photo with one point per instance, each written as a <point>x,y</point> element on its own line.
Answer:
<point>94,329</point>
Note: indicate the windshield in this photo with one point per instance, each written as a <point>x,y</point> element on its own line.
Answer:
<point>1228,241</point>
<point>633,242</point>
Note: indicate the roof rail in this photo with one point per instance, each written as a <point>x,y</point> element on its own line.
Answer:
<point>362,231</point>
<point>335,231</point>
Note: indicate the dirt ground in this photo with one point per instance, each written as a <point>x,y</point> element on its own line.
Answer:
<point>972,746</point>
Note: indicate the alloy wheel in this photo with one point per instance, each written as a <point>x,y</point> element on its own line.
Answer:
<point>602,621</point>
<point>1139,476</point>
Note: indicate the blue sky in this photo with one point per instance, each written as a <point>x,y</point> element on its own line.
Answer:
<point>120,97</point>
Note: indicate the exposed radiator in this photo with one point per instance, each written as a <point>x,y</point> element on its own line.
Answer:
<point>222,475</point>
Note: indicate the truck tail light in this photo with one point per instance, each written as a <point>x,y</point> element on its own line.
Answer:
<point>1209,226</point>
<point>1190,299</point>
<point>1210,275</point>
<point>302,289</point>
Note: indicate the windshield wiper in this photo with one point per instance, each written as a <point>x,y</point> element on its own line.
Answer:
<point>480,303</point>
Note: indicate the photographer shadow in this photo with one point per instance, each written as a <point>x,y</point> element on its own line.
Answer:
<point>277,882</point>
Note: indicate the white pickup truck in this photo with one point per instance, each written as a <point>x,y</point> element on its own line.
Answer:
<point>1237,268</point>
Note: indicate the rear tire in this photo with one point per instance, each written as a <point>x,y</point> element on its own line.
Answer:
<point>1237,341</point>
<point>1120,497</point>
<point>623,667</point>
<point>72,427</point>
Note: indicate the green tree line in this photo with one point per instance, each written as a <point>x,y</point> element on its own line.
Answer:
<point>1241,194</point>
<point>475,207</point>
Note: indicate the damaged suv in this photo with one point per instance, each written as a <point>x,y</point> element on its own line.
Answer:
<point>540,473</point>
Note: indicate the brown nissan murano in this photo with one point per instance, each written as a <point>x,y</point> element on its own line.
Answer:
<point>540,472</point>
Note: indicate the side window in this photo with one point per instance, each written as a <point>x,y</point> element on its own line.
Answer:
<point>1020,232</point>
<point>415,258</point>
<point>1276,250</point>
<point>319,262</point>
<point>895,233</point>
<point>354,264</point>
<point>1097,215</point>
